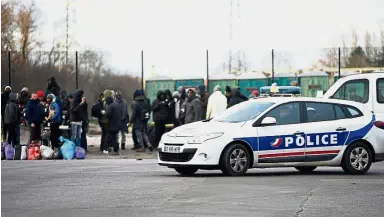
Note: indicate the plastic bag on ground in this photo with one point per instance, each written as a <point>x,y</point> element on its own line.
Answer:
<point>34,151</point>
<point>9,152</point>
<point>67,149</point>
<point>80,153</point>
<point>24,152</point>
<point>46,152</point>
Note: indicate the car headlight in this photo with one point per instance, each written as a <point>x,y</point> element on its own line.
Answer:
<point>203,138</point>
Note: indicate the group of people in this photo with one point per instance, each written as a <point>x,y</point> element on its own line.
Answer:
<point>51,108</point>
<point>54,108</point>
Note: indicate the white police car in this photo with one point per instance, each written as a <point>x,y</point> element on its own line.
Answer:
<point>278,132</point>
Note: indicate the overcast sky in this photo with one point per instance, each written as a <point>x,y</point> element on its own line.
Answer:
<point>174,34</point>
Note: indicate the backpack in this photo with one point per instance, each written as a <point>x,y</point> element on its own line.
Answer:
<point>79,153</point>
<point>34,151</point>
<point>9,152</point>
<point>96,109</point>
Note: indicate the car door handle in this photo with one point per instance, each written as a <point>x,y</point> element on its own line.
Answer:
<point>341,129</point>
<point>298,133</point>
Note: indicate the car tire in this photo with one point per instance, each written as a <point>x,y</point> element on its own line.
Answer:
<point>186,171</point>
<point>306,169</point>
<point>357,159</point>
<point>235,160</point>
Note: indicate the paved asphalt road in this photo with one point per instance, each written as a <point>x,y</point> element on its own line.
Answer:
<point>142,188</point>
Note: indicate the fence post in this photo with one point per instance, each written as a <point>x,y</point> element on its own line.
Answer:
<point>142,69</point>
<point>207,72</point>
<point>9,69</point>
<point>273,66</point>
<point>77,71</point>
<point>339,63</point>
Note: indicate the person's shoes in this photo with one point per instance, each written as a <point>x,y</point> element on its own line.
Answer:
<point>140,150</point>
<point>105,152</point>
<point>134,148</point>
<point>150,149</point>
<point>122,146</point>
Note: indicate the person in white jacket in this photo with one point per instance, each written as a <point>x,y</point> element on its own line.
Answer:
<point>217,103</point>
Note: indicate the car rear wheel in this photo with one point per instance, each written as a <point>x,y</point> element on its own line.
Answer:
<point>186,171</point>
<point>235,160</point>
<point>357,159</point>
<point>306,169</point>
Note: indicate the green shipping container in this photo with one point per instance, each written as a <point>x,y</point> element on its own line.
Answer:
<point>311,82</point>
<point>187,83</point>
<point>223,80</point>
<point>284,79</point>
<point>154,84</point>
<point>249,82</point>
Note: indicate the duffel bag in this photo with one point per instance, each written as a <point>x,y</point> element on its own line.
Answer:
<point>46,152</point>
<point>34,151</point>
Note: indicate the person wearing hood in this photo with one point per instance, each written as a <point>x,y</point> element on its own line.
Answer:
<point>255,94</point>
<point>54,118</point>
<point>11,118</point>
<point>78,115</point>
<point>103,120</point>
<point>35,117</point>
<point>4,100</point>
<point>228,91</point>
<point>204,96</point>
<point>171,106</point>
<point>24,97</point>
<point>52,87</point>
<point>114,116</point>
<point>123,108</point>
<point>236,97</point>
<point>217,103</point>
<point>179,117</point>
<point>139,119</point>
<point>193,107</point>
<point>160,115</point>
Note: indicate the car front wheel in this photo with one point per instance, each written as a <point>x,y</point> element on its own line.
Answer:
<point>357,159</point>
<point>235,160</point>
<point>185,171</point>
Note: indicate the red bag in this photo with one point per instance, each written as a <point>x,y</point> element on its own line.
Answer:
<point>34,151</point>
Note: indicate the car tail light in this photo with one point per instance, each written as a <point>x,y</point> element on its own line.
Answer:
<point>379,124</point>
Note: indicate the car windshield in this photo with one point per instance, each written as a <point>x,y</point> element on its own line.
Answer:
<point>243,112</point>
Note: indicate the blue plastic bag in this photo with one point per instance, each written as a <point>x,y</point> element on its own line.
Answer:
<point>67,149</point>
<point>9,151</point>
<point>79,152</point>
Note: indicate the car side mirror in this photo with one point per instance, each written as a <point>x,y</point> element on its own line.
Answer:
<point>268,121</point>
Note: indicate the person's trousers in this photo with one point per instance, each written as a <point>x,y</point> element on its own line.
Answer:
<point>105,138</point>
<point>35,133</point>
<point>123,137</point>
<point>134,138</point>
<point>17,141</point>
<point>3,130</point>
<point>112,137</point>
<point>76,134</point>
<point>159,131</point>
<point>142,138</point>
<point>55,134</point>
<point>84,143</point>
<point>103,134</point>
<point>11,133</point>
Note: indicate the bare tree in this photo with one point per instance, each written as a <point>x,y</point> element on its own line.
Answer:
<point>8,25</point>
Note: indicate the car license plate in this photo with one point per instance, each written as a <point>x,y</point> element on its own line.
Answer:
<point>172,149</point>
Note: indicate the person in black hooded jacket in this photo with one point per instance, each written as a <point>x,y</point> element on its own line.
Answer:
<point>160,115</point>
<point>236,98</point>
<point>53,87</point>
<point>114,123</point>
<point>78,115</point>
<point>171,106</point>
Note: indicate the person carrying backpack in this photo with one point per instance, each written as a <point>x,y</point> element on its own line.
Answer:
<point>11,118</point>
<point>139,119</point>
